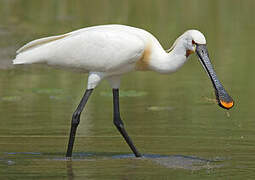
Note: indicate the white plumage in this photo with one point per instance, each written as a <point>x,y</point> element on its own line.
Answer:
<point>106,51</point>
<point>101,48</point>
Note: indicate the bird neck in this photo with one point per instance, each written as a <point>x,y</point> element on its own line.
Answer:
<point>169,62</point>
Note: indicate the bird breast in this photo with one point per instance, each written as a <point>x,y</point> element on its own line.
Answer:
<point>143,63</point>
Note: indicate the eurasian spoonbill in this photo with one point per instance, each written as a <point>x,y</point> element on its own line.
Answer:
<point>108,51</point>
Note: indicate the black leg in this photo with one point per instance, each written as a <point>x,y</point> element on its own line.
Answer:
<point>119,124</point>
<point>76,121</point>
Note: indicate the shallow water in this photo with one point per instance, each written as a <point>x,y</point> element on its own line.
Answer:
<point>173,119</point>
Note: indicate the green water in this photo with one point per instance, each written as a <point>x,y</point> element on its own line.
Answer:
<point>172,119</point>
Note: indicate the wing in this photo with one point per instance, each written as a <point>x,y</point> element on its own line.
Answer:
<point>101,49</point>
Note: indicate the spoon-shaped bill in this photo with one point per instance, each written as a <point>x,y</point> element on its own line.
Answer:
<point>224,100</point>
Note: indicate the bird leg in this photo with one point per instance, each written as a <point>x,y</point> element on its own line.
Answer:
<point>119,124</point>
<point>76,121</point>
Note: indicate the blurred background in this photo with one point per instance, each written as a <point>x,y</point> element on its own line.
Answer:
<point>164,114</point>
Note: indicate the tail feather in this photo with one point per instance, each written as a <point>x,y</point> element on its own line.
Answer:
<point>18,61</point>
<point>39,42</point>
<point>30,53</point>
<point>28,57</point>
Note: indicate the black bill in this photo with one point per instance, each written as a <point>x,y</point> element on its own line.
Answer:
<point>224,100</point>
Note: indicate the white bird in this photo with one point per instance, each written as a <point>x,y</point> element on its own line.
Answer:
<point>107,52</point>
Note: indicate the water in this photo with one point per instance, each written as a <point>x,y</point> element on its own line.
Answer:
<point>173,120</point>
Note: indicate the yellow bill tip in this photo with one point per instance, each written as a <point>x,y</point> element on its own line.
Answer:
<point>227,105</point>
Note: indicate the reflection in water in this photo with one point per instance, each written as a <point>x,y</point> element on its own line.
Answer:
<point>168,161</point>
<point>69,169</point>
<point>90,159</point>
<point>100,162</point>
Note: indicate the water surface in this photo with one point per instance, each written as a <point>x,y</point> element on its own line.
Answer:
<point>173,119</point>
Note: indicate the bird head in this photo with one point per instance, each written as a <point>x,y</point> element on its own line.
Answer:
<point>194,41</point>
<point>191,39</point>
